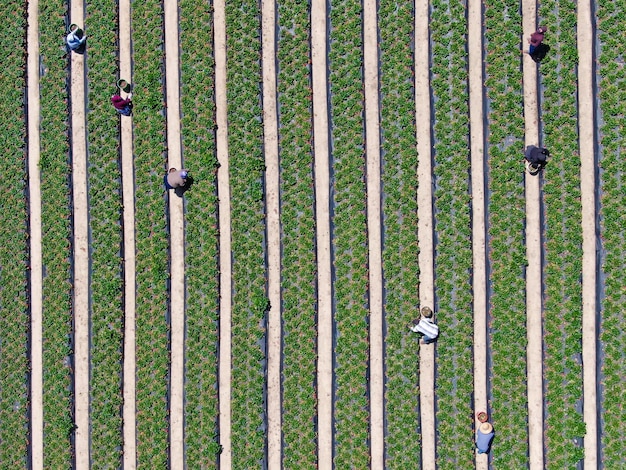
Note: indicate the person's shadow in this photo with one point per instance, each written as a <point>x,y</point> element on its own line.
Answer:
<point>181,190</point>
<point>540,52</point>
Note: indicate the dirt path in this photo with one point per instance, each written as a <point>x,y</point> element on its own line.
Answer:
<point>272,207</point>
<point>374,236</point>
<point>81,250</point>
<point>587,186</point>
<point>534,244</point>
<point>128,199</point>
<point>223,191</point>
<point>425,228</point>
<point>322,217</point>
<point>479,255</point>
<point>36,264</point>
<point>177,241</point>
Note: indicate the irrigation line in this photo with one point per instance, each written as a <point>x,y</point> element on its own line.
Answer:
<point>223,191</point>
<point>177,241</point>
<point>479,255</point>
<point>35,261</point>
<point>423,119</point>
<point>586,129</point>
<point>81,251</point>
<point>374,238</point>
<point>534,244</point>
<point>322,217</point>
<point>130,294</point>
<point>272,210</point>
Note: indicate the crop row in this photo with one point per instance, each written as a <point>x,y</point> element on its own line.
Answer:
<point>56,217</point>
<point>349,227</point>
<point>298,282</point>
<point>612,96</point>
<point>14,318</point>
<point>563,307</point>
<point>152,325</point>
<point>198,119</point>
<point>106,285</point>
<point>453,251</point>
<point>507,254</point>
<point>250,302</point>
<point>400,248</point>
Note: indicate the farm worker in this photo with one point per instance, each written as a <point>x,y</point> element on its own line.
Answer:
<point>425,326</point>
<point>175,179</point>
<point>484,436</point>
<point>537,158</point>
<point>536,39</point>
<point>122,106</point>
<point>76,38</point>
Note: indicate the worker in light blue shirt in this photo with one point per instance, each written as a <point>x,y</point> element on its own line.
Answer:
<point>484,436</point>
<point>76,38</point>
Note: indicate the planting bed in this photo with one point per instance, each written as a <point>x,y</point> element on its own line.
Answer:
<point>507,322</point>
<point>453,252</point>
<point>298,238</point>
<point>250,302</point>
<point>563,250</point>
<point>209,439</point>
<point>400,262</point>
<point>106,243</point>
<point>610,106</point>
<point>14,318</point>
<point>349,232</point>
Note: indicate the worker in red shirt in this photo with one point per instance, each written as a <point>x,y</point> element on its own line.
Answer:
<point>121,105</point>
<point>536,39</point>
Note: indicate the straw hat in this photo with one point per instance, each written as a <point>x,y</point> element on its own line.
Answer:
<point>486,428</point>
<point>427,312</point>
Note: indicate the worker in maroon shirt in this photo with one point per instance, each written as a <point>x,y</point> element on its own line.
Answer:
<point>536,39</point>
<point>122,106</point>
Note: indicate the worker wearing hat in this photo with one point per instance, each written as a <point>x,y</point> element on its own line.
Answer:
<point>484,436</point>
<point>175,179</point>
<point>425,326</point>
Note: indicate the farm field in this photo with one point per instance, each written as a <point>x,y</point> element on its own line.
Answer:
<point>352,161</point>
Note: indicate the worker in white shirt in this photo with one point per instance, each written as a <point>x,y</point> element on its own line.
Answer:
<point>425,326</point>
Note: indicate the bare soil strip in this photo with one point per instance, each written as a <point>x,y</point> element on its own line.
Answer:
<point>36,267</point>
<point>479,255</point>
<point>587,186</point>
<point>177,241</point>
<point>81,250</point>
<point>322,217</point>
<point>223,191</point>
<point>534,244</point>
<point>128,199</point>
<point>272,208</point>
<point>374,237</point>
<point>425,227</point>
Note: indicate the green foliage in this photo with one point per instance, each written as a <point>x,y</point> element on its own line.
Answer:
<point>298,268</point>
<point>201,234</point>
<point>152,328</point>
<point>453,250</point>
<point>563,317</point>
<point>57,234</point>
<point>351,403</point>
<point>14,308</point>
<point>612,134</point>
<point>105,206</point>
<point>400,249</point>
<point>245,142</point>
<point>507,253</point>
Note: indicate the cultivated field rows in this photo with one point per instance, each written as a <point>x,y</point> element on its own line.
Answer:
<point>352,161</point>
